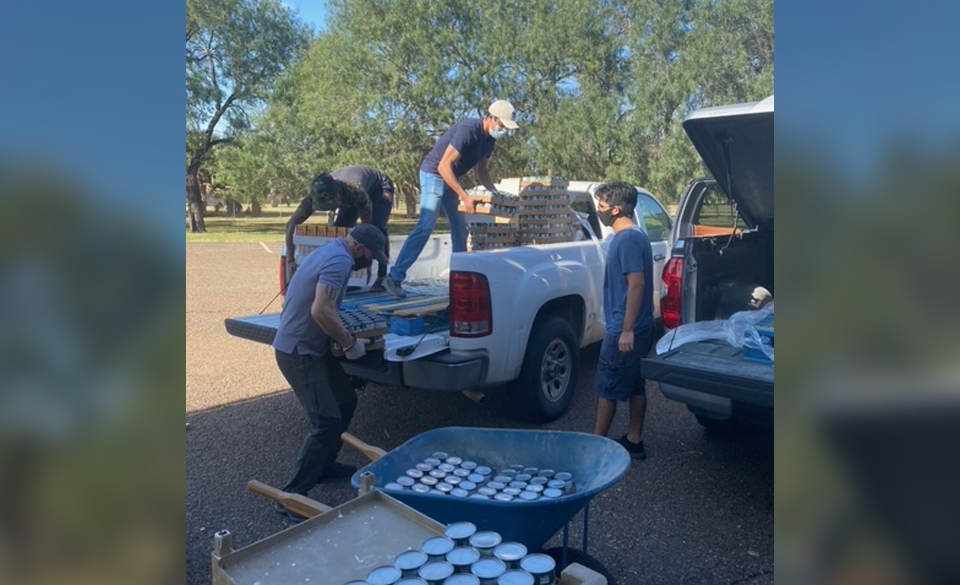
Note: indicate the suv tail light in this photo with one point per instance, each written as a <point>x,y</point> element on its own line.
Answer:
<point>470,314</point>
<point>672,284</point>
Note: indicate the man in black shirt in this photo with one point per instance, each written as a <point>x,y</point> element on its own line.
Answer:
<point>464,146</point>
<point>357,192</point>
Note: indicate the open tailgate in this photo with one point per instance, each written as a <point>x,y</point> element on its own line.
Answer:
<point>262,328</point>
<point>714,368</point>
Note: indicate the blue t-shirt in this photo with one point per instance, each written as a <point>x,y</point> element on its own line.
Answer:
<point>329,265</point>
<point>629,252</point>
<point>468,138</point>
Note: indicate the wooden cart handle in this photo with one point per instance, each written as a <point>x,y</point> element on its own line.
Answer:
<point>294,502</point>
<point>372,453</point>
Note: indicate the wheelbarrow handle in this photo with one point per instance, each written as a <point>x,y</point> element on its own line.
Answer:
<point>369,451</point>
<point>294,502</point>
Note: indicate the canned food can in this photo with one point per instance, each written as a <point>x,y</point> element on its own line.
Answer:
<point>383,575</point>
<point>414,473</point>
<point>517,467</point>
<point>429,480</point>
<point>461,472</point>
<point>523,477</point>
<point>535,488</point>
<point>410,562</point>
<point>444,487</point>
<point>437,547</point>
<point>488,570</point>
<point>515,578</point>
<point>411,581</point>
<point>510,553</point>
<point>511,491</point>
<point>453,460</point>
<point>518,484</point>
<point>508,472</point>
<point>393,486</point>
<point>563,475</point>
<point>485,541</point>
<point>436,492</point>
<point>502,497</point>
<point>446,467</point>
<point>538,480</point>
<point>424,467</point>
<point>547,473</point>
<point>462,558</point>
<point>441,455</point>
<point>406,480</point>
<point>557,483</point>
<point>496,485</point>
<point>531,470</point>
<point>528,496</point>
<point>483,470</point>
<point>459,492</point>
<point>420,488</point>
<point>437,473</point>
<point>477,478</point>
<point>453,480</point>
<point>487,491</point>
<point>479,496</point>
<point>469,465</point>
<point>468,485</point>
<point>541,566</point>
<point>435,573</point>
<point>432,461</point>
<point>551,493</point>
<point>460,532</point>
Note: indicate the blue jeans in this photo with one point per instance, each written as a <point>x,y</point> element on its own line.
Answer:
<point>433,192</point>
<point>329,401</point>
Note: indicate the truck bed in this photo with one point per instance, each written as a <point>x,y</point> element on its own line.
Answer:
<point>716,368</point>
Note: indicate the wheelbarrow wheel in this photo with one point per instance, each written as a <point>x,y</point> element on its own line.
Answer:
<point>575,555</point>
<point>548,376</point>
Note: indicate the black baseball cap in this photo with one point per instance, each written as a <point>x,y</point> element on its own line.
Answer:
<point>324,190</point>
<point>371,238</point>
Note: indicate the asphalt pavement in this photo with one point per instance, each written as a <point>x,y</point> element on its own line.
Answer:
<point>698,510</point>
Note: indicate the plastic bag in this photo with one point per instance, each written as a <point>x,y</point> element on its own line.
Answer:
<point>739,330</point>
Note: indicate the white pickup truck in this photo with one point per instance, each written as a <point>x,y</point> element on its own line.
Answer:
<point>516,315</point>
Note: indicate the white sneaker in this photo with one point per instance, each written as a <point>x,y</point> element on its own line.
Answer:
<point>393,287</point>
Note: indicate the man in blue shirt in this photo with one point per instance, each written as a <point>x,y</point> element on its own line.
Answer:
<point>464,146</point>
<point>628,309</point>
<point>310,319</point>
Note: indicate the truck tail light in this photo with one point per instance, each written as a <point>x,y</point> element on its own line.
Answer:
<point>672,284</point>
<point>470,314</point>
<point>283,275</point>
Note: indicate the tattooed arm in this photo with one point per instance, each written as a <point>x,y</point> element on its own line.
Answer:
<point>324,312</point>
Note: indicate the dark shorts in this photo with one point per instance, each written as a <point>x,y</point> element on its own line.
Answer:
<point>618,374</point>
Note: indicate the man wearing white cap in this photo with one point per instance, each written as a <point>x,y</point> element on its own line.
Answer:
<point>464,146</point>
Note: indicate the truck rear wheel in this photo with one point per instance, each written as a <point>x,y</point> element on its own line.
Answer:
<point>548,376</point>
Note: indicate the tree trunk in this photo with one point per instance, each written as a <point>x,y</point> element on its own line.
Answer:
<point>195,198</point>
<point>255,208</point>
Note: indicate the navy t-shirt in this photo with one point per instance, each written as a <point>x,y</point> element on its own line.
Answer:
<point>629,252</point>
<point>468,138</point>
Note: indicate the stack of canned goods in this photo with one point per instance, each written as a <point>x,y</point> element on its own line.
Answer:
<point>443,474</point>
<point>465,556</point>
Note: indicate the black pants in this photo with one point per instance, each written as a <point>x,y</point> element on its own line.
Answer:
<point>348,217</point>
<point>329,401</point>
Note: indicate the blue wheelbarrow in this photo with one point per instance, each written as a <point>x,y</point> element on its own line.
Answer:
<point>595,462</point>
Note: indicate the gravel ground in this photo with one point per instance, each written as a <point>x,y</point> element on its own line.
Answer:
<point>699,510</point>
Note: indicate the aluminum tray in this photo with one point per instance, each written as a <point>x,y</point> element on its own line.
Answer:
<point>333,548</point>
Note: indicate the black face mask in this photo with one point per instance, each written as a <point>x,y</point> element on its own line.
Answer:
<point>606,217</point>
<point>361,263</point>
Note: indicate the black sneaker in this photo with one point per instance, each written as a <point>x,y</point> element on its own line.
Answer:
<point>339,471</point>
<point>291,515</point>
<point>634,449</point>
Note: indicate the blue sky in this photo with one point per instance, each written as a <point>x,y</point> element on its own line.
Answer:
<point>312,12</point>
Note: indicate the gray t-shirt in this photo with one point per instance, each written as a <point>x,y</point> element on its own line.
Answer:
<point>329,265</point>
<point>629,252</point>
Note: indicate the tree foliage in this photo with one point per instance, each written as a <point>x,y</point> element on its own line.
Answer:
<point>601,88</point>
<point>235,50</point>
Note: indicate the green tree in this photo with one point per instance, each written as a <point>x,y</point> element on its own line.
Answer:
<point>235,51</point>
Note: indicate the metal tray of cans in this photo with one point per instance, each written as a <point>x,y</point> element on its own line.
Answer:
<point>343,544</point>
<point>595,462</point>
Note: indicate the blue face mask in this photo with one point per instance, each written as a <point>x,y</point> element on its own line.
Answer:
<point>498,133</point>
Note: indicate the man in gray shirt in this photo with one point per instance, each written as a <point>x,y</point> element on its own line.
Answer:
<point>310,319</point>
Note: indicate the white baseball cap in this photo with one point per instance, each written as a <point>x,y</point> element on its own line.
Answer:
<point>503,110</point>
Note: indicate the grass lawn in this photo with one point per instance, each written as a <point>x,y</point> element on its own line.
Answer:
<point>270,225</point>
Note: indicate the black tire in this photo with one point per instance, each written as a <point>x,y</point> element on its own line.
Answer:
<point>548,377</point>
<point>720,426</point>
<point>575,555</point>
